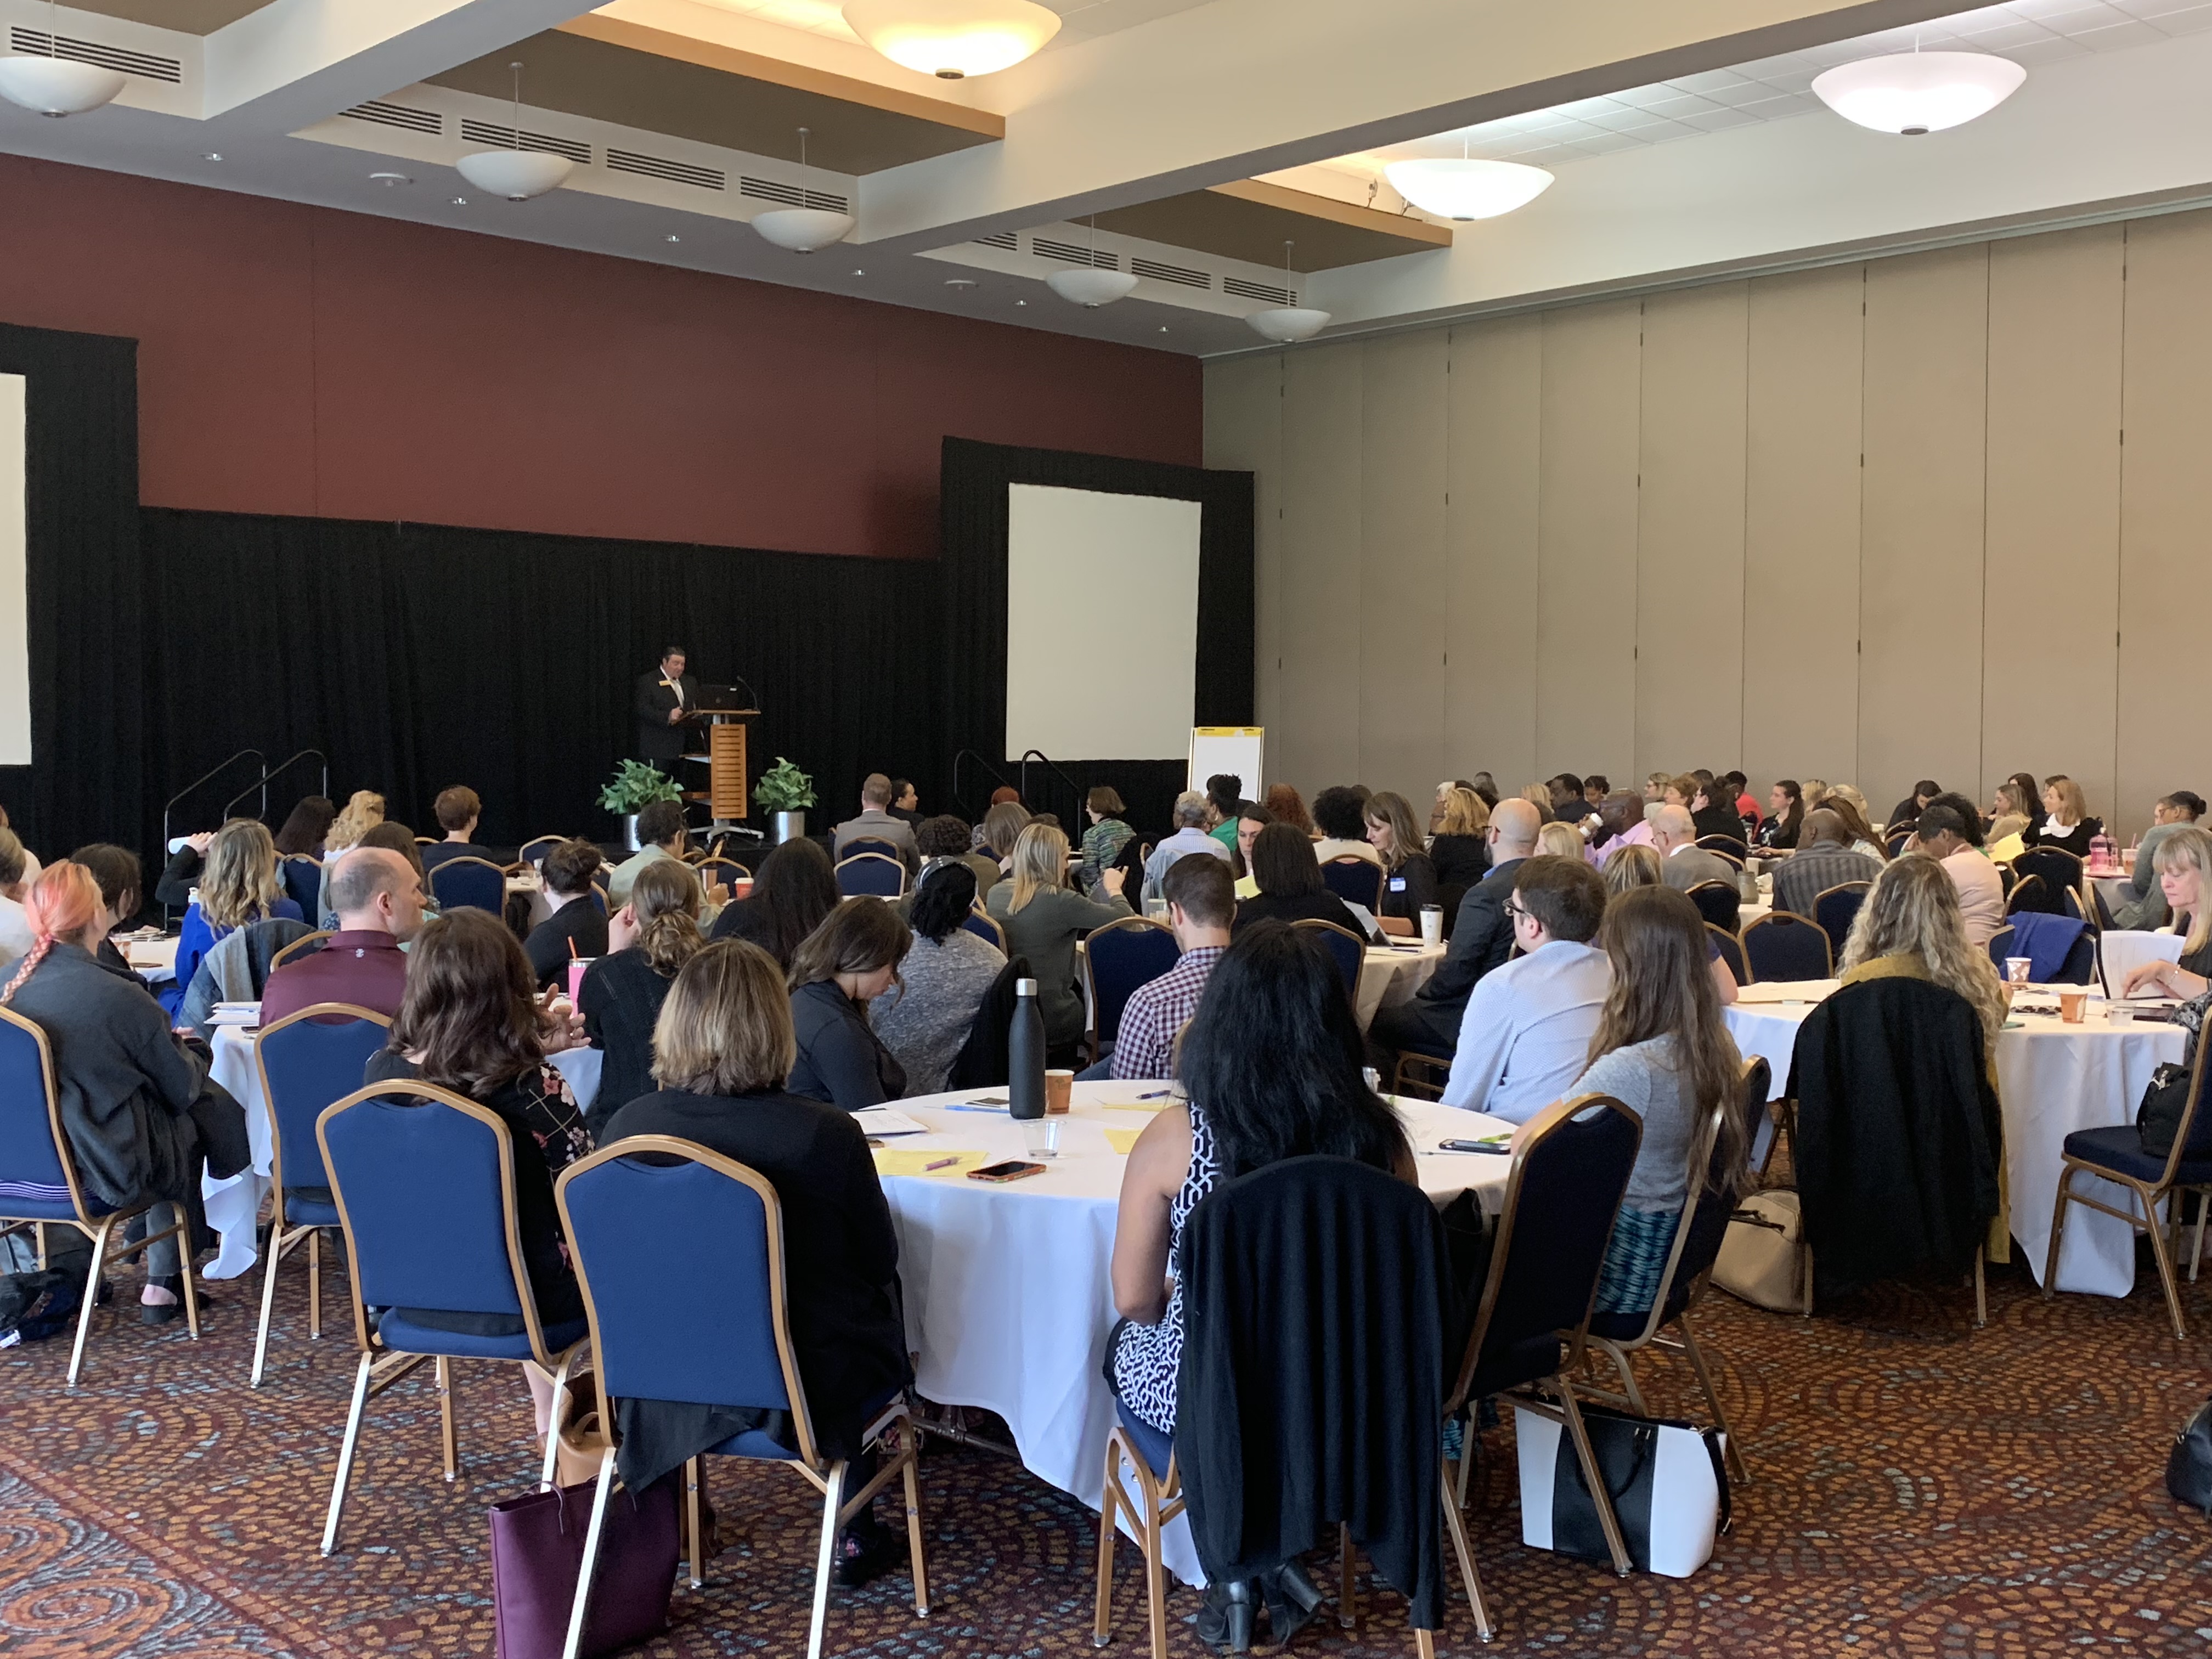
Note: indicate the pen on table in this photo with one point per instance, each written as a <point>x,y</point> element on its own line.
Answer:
<point>1157,1094</point>
<point>941,1164</point>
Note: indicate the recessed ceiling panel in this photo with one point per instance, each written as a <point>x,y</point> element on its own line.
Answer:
<point>1251,219</point>
<point>185,16</point>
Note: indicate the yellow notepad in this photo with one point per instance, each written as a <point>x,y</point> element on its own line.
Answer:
<point>1159,1105</point>
<point>908,1161</point>
<point>1122,1140</point>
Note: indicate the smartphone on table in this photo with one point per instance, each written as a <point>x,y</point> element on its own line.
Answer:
<point>1012,1170</point>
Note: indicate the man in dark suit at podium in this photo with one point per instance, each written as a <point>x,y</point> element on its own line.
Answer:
<point>666,698</point>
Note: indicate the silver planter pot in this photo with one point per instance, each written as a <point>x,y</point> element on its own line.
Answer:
<point>790,826</point>
<point>630,830</point>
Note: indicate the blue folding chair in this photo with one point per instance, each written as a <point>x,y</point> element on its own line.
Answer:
<point>424,1185</point>
<point>1720,902</point>
<point>2001,946</point>
<point>534,850</point>
<point>1349,950</point>
<point>714,1339</point>
<point>1117,958</point>
<point>39,1185</point>
<point>986,927</point>
<point>2061,873</point>
<point>474,883</point>
<point>1731,950</point>
<point>873,847</point>
<point>307,1061</point>
<point>1782,946</point>
<point>872,874</point>
<point>1836,908</point>
<point>302,878</point>
<point>1532,1325</point>
<point>1355,881</point>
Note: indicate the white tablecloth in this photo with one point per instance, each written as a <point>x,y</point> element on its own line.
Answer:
<point>1389,977</point>
<point>1009,1293</point>
<point>2052,1078</point>
<point>234,1206</point>
<point>154,959</point>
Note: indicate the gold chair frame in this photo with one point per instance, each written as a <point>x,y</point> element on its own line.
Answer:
<point>977,912</point>
<point>299,947</point>
<point>1788,919</point>
<point>1091,1036</point>
<point>2149,1194</point>
<point>283,1241</point>
<point>1742,955</point>
<point>374,1376</point>
<point>861,858</point>
<point>430,878</point>
<point>99,1228</point>
<point>1381,876</point>
<point>828,1477</point>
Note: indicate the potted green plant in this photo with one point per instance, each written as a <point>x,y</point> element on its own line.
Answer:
<point>634,788</point>
<point>785,791</point>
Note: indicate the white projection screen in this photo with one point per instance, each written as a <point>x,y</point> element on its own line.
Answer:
<point>15,598</point>
<point>1102,623</point>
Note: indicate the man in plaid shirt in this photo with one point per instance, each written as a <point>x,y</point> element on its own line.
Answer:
<point>1201,901</point>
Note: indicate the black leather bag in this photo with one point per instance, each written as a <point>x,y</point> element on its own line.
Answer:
<point>2157,1119</point>
<point>2189,1466</point>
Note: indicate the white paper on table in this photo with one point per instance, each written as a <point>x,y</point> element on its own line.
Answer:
<point>1787,990</point>
<point>235,1013</point>
<point>880,1120</point>
<point>2126,950</point>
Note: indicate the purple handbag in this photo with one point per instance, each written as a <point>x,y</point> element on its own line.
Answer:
<point>537,1547</point>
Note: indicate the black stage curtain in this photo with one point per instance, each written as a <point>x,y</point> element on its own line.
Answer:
<point>87,781</point>
<point>416,656</point>
<point>973,521</point>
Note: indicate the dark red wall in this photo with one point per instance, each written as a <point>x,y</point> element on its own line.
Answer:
<point>297,360</point>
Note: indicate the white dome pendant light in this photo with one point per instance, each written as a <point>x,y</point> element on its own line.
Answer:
<point>804,229</point>
<point>54,85</point>
<point>1912,92</point>
<point>1465,188</point>
<point>1093,285</point>
<point>953,39</point>
<point>515,172</point>
<point>1287,324</point>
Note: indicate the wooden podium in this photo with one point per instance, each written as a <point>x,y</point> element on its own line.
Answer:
<point>725,795</point>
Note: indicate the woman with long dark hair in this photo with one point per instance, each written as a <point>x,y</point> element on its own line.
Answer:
<point>924,1018</point>
<point>793,890</point>
<point>1409,879</point>
<point>303,831</point>
<point>1291,887</point>
<point>842,966</point>
<point>1785,816</point>
<point>1272,1066</point>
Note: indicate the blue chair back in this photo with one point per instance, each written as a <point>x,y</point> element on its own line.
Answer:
<point>1349,953</point>
<point>1781,946</point>
<point>2001,946</point>
<point>1720,902</point>
<point>1355,881</point>
<point>473,883</point>
<point>303,881</point>
<point>421,1178</point>
<point>1731,950</point>
<point>2060,871</point>
<point>1835,909</point>
<point>2060,949</point>
<point>1708,1221</point>
<point>986,929</point>
<point>1560,1201</point>
<point>307,1063</point>
<point>872,844</point>
<point>34,1183</point>
<point>537,848</point>
<point>1119,957</point>
<point>715,1339</point>
<point>872,874</point>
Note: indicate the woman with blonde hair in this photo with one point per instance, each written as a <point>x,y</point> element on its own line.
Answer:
<point>1562,841</point>
<point>1910,928</point>
<point>1631,867</point>
<point>2184,862</point>
<point>648,941</point>
<point>1538,795</point>
<point>364,812</point>
<point>1409,876</point>
<point>2069,827</point>
<point>1043,919</point>
<point>238,886</point>
<point>1847,804</point>
<point>1459,848</point>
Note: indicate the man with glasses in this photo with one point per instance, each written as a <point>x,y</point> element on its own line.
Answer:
<point>1525,1037</point>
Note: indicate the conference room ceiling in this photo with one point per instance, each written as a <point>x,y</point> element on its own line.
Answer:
<point>1185,141</point>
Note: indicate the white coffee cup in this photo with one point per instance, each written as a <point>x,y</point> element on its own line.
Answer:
<point>1432,924</point>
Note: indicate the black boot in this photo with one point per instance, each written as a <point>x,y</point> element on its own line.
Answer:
<point>1224,1622</point>
<point>1292,1602</point>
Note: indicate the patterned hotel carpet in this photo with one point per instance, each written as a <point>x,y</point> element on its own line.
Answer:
<point>1923,1489</point>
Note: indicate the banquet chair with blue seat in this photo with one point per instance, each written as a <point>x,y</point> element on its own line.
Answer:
<point>1730,848</point>
<point>633,1212</point>
<point>1347,946</point>
<point>473,883</point>
<point>424,1182</point>
<point>1531,1328</point>
<point>307,1061</point>
<point>1355,881</point>
<point>302,878</point>
<point>2060,871</point>
<point>2115,1153</point>
<point>984,927</point>
<point>1720,902</point>
<point>1730,947</point>
<point>1836,908</point>
<point>2061,950</point>
<point>2001,946</point>
<point>39,1184</point>
<point>872,874</point>
<point>873,846</point>
<point>1699,1227</point>
<point>1782,946</point>
<point>534,850</point>
<point>1118,958</point>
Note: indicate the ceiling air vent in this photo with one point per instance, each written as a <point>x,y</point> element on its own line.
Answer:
<point>1160,273</point>
<point>398,115</point>
<point>766,190</point>
<point>499,137</point>
<point>1004,238</point>
<point>656,166</point>
<point>37,43</point>
<point>1045,248</point>
<point>1244,290</point>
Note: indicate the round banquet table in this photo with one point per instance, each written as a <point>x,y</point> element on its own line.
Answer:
<point>1390,975</point>
<point>1008,1289</point>
<point>2052,1078</point>
<point>234,1205</point>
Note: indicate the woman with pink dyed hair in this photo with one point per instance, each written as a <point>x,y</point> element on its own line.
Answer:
<point>134,1098</point>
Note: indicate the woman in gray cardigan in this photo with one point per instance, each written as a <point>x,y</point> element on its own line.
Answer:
<point>1045,918</point>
